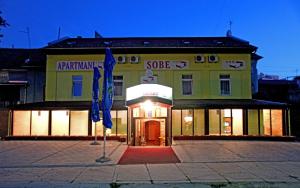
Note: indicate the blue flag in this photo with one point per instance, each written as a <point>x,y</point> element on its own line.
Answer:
<point>108,88</point>
<point>95,99</point>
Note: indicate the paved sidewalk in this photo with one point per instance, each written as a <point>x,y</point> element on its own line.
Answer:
<point>203,164</point>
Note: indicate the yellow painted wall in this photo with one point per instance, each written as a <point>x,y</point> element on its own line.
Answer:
<point>206,84</point>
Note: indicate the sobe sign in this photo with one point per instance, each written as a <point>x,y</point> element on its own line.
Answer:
<point>78,65</point>
<point>165,64</point>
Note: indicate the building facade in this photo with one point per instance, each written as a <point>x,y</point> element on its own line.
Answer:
<point>22,76</point>
<point>164,88</point>
<point>22,80</point>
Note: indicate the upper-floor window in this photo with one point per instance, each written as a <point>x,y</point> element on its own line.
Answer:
<point>76,85</point>
<point>118,85</point>
<point>225,84</point>
<point>187,84</point>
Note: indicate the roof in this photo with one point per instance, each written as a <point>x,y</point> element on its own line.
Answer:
<point>146,44</point>
<point>278,82</point>
<point>227,103</point>
<point>256,57</point>
<point>12,58</point>
<point>75,105</point>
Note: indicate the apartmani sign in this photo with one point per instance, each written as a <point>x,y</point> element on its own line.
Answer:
<point>78,65</point>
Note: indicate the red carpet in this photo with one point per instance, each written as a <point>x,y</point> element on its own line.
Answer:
<point>146,155</point>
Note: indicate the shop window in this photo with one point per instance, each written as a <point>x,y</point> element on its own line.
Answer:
<point>99,127</point>
<point>253,122</point>
<point>112,131</point>
<point>118,85</point>
<point>79,123</point>
<point>198,122</point>
<point>60,122</point>
<point>122,122</point>
<point>225,84</point>
<point>266,122</point>
<point>214,122</point>
<point>21,123</point>
<point>226,123</point>
<point>237,121</point>
<point>276,117</point>
<point>187,84</point>
<point>176,122</point>
<point>136,112</point>
<point>77,85</point>
<point>161,112</point>
<point>187,122</point>
<point>39,123</point>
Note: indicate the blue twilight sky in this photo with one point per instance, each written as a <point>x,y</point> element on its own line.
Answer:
<point>271,25</point>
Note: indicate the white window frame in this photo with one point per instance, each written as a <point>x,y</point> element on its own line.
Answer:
<point>115,80</point>
<point>187,80</point>
<point>223,79</point>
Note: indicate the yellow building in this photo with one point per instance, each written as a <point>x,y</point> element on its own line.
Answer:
<point>165,88</point>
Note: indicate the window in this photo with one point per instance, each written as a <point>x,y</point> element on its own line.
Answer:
<point>199,121</point>
<point>79,123</point>
<point>60,123</point>
<point>253,122</point>
<point>39,123</point>
<point>187,122</point>
<point>118,85</point>
<point>21,123</point>
<point>225,84</point>
<point>77,85</point>
<point>187,84</point>
<point>214,122</point>
<point>176,122</point>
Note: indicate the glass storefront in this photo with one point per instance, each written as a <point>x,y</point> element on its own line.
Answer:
<point>64,123</point>
<point>183,122</point>
<point>191,122</point>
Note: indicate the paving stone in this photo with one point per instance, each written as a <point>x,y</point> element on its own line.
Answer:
<point>132,173</point>
<point>166,173</point>
<point>62,174</point>
<point>92,175</point>
<point>199,172</point>
<point>269,174</point>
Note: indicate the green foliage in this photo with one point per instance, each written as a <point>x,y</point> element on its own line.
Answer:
<point>3,22</point>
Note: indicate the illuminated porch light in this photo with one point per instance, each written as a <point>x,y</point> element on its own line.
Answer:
<point>147,105</point>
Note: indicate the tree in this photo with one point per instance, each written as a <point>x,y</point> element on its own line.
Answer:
<point>3,23</point>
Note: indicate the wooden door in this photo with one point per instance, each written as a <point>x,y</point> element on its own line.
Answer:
<point>152,130</point>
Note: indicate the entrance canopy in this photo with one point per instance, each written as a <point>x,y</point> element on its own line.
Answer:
<point>155,92</point>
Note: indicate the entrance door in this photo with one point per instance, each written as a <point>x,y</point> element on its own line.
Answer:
<point>152,132</point>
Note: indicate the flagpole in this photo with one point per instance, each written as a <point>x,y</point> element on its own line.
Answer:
<point>107,98</point>
<point>95,140</point>
<point>103,158</point>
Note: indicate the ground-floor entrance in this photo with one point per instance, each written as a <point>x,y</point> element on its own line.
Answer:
<point>150,132</point>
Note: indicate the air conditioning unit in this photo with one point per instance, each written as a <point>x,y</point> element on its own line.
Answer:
<point>134,59</point>
<point>199,59</point>
<point>121,59</point>
<point>212,58</point>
